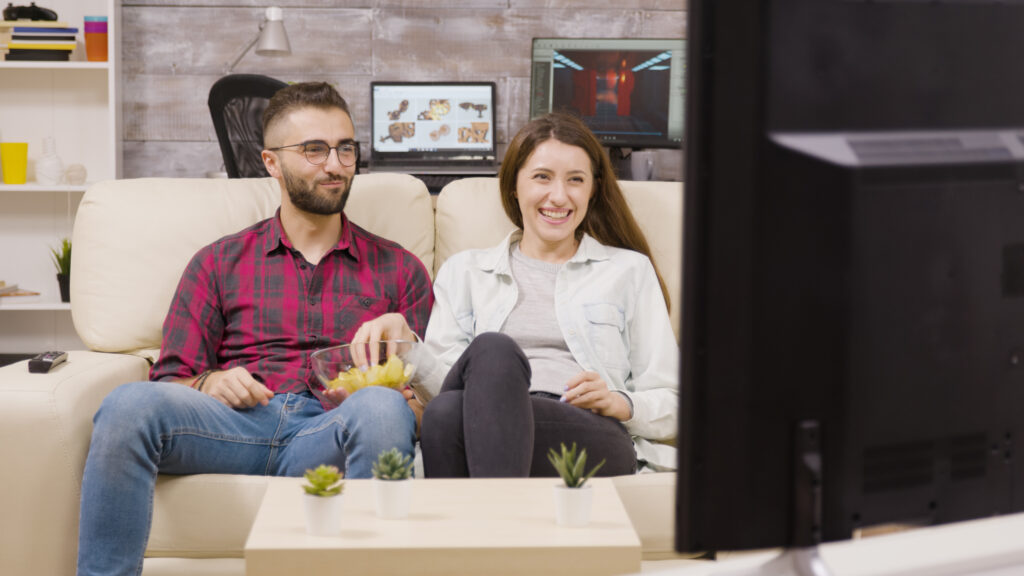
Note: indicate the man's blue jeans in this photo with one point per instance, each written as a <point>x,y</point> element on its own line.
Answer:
<point>146,428</point>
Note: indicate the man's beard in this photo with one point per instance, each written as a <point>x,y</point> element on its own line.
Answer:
<point>305,197</point>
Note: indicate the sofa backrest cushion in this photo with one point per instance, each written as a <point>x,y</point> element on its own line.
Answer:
<point>469,215</point>
<point>132,239</point>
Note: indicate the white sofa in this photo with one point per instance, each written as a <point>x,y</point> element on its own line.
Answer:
<point>132,239</point>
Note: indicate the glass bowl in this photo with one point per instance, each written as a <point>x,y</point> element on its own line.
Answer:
<point>351,367</point>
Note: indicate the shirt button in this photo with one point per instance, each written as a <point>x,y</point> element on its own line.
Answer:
<point>312,301</point>
<point>366,302</point>
<point>572,332</point>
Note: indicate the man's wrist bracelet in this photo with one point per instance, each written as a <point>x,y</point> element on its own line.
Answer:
<point>199,382</point>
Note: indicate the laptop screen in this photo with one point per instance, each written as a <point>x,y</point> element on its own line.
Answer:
<point>416,122</point>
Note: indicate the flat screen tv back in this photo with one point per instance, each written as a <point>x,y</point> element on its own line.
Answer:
<point>853,302</point>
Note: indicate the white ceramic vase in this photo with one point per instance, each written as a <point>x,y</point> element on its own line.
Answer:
<point>323,514</point>
<point>49,167</point>
<point>572,505</point>
<point>393,497</point>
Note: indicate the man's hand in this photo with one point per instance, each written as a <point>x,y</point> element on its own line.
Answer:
<point>336,395</point>
<point>588,391</point>
<point>415,405</point>
<point>237,388</point>
<point>390,326</point>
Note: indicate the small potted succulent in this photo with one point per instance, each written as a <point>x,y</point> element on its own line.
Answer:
<point>573,498</point>
<point>322,500</point>
<point>392,473</point>
<point>62,261</point>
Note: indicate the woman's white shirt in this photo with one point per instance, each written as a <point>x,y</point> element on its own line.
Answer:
<point>612,315</point>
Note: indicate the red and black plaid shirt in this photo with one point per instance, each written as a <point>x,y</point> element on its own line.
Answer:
<point>252,300</point>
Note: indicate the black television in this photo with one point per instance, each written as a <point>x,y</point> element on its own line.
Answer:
<point>853,299</point>
<point>629,91</point>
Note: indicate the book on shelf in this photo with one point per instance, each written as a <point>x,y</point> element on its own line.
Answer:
<point>38,56</point>
<point>33,24</point>
<point>29,30</point>
<point>41,45</point>
<point>42,37</point>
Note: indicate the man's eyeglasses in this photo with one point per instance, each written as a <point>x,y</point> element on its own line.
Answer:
<point>317,151</point>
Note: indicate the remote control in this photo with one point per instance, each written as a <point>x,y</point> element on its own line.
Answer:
<point>43,363</point>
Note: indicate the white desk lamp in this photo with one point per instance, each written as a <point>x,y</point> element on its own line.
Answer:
<point>271,40</point>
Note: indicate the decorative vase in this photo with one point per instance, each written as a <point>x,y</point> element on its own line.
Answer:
<point>393,497</point>
<point>64,282</point>
<point>49,167</point>
<point>323,514</point>
<point>572,505</point>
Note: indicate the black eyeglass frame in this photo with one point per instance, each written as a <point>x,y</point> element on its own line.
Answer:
<point>337,150</point>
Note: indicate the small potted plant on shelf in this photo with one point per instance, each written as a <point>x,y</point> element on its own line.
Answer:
<point>62,260</point>
<point>392,473</point>
<point>323,500</point>
<point>572,500</point>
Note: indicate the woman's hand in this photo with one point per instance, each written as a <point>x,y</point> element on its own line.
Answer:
<point>236,388</point>
<point>390,326</point>
<point>588,391</point>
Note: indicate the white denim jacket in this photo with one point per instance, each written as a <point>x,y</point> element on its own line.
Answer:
<point>612,315</point>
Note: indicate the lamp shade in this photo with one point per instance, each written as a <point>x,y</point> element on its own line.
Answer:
<point>273,40</point>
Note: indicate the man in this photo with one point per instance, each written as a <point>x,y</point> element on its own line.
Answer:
<point>232,391</point>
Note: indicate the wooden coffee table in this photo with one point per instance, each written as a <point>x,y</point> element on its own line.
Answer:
<point>465,526</point>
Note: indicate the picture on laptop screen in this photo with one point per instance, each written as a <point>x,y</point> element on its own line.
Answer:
<point>432,121</point>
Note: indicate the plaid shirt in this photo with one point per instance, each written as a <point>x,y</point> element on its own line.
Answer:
<point>250,299</point>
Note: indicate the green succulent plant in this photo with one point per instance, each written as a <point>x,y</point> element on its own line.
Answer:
<point>62,257</point>
<point>391,465</point>
<point>571,466</point>
<point>324,481</point>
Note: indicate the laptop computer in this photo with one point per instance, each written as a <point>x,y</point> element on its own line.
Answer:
<point>433,128</point>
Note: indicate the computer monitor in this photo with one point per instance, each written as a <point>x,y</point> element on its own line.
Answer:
<point>432,124</point>
<point>853,304</point>
<point>629,91</point>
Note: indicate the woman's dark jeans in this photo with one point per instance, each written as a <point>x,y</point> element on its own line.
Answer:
<point>486,424</point>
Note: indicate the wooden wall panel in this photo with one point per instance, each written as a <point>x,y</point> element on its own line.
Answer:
<point>174,50</point>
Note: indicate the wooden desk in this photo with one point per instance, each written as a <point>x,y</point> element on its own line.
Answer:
<point>472,527</point>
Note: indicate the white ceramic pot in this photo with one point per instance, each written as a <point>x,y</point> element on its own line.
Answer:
<point>323,514</point>
<point>393,497</point>
<point>572,505</point>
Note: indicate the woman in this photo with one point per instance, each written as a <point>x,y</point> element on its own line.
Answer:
<point>560,334</point>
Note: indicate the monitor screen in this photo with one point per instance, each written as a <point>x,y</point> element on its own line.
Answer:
<point>853,300</point>
<point>432,120</point>
<point>629,91</point>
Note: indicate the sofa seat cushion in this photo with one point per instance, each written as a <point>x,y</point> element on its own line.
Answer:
<point>204,516</point>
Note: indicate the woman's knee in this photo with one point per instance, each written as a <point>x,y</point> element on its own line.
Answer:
<point>442,415</point>
<point>498,344</point>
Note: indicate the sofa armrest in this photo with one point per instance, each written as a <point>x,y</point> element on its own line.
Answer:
<point>45,426</point>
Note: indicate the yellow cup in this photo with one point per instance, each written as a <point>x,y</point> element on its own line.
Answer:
<point>13,161</point>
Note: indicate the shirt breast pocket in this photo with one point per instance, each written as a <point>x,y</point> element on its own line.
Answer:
<point>606,327</point>
<point>351,311</point>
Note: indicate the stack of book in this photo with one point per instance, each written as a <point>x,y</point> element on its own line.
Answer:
<point>41,41</point>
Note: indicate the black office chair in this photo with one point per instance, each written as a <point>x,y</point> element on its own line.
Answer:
<point>236,105</point>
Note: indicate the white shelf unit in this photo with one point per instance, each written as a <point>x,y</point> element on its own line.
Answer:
<point>78,103</point>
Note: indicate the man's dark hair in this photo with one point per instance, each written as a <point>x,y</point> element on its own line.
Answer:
<point>301,95</point>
